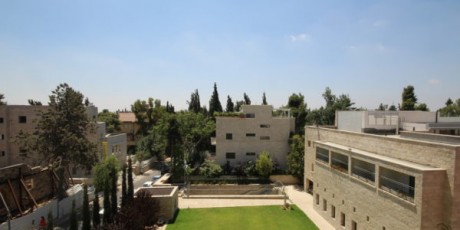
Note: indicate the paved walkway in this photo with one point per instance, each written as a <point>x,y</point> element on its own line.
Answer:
<point>296,195</point>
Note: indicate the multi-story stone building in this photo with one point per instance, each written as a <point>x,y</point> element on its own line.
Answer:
<point>367,181</point>
<point>241,137</point>
<point>15,119</point>
<point>131,128</point>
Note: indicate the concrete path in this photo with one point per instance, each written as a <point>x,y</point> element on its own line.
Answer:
<point>296,196</point>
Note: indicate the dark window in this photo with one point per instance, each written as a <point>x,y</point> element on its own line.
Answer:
<point>309,143</point>
<point>230,155</point>
<point>22,153</point>
<point>354,225</point>
<point>342,219</point>
<point>250,115</point>
<point>264,137</point>
<point>324,205</point>
<point>1,119</point>
<point>3,137</point>
<point>250,154</point>
<point>229,136</point>
<point>22,119</point>
<point>264,126</point>
<point>250,134</point>
<point>333,211</point>
<point>322,155</point>
<point>317,199</point>
<point>3,153</point>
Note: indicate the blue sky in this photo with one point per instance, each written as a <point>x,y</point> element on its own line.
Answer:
<point>115,52</point>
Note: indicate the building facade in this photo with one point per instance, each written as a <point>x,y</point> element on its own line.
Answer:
<point>241,137</point>
<point>367,181</point>
<point>131,128</point>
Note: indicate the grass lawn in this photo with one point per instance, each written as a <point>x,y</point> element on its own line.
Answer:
<point>259,217</point>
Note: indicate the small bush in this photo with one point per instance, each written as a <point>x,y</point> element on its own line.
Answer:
<point>210,169</point>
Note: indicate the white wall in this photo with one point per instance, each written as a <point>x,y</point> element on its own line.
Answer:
<point>351,120</point>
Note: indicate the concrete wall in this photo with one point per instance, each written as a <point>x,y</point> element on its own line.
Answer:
<point>278,131</point>
<point>417,116</point>
<point>337,188</point>
<point>353,121</point>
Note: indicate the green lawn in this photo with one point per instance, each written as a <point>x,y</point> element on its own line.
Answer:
<point>260,217</point>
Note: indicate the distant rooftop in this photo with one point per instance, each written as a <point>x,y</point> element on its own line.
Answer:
<point>127,117</point>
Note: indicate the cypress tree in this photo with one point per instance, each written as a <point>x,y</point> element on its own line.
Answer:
<point>247,100</point>
<point>86,214</point>
<point>50,224</point>
<point>107,207</point>
<point>123,186</point>
<point>230,105</point>
<point>96,207</point>
<point>113,194</point>
<point>73,217</point>
<point>130,192</point>
<point>214,103</point>
<point>264,99</point>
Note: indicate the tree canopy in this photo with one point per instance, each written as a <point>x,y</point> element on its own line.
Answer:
<point>112,123</point>
<point>214,102</point>
<point>408,98</point>
<point>264,164</point>
<point>299,111</point>
<point>194,104</point>
<point>451,109</point>
<point>295,157</point>
<point>230,106</point>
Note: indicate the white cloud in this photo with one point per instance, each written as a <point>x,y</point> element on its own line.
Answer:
<point>299,37</point>
<point>434,81</point>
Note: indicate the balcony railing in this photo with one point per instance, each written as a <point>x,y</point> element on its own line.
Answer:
<point>363,173</point>
<point>339,165</point>
<point>324,157</point>
<point>397,188</point>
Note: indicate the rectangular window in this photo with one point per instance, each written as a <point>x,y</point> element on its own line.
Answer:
<point>342,219</point>
<point>22,119</point>
<point>230,155</point>
<point>265,126</point>
<point>3,153</point>
<point>250,134</point>
<point>264,137</point>
<point>3,137</point>
<point>250,154</point>
<point>324,205</point>
<point>354,225</point>
<point>1,119</point>
<point>22,153</point>
<point>333,211</point>
<point>309,143</point>
<point>322,155</point>
<point>250,115</point>
<point>229,136</point>
<point>317,199</point>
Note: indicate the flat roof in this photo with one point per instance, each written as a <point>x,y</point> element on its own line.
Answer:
<point>381,158</point>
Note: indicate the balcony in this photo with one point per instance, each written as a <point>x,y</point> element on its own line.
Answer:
<point>363,170</point>
<point>398,184</point>
<point>322,155</point>
<point>339,162</point>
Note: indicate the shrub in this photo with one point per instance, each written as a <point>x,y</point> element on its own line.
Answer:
<point>264,165</point>
<point>210,169</point>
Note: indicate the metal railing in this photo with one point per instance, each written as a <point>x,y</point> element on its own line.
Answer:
<point>398,188</point>
<point>363,173</point>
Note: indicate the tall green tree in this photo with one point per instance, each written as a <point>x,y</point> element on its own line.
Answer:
<point>194,105</point>
<point>408,98</point>
<point>299,111</point>
<point>195,131</point>
<point>73,217</point>
<point>113,192</point>
<point>2,99</point>
<point>107,217</point>
<point>264,164</point>
<point>112,123</point>
<point>169,107</point>
<point>295,158</point>
<point>264,99</point>
<point>451,109</point>
<point>33,102</point>
<point>96,208</point>
<point>214,102</point>
<point>130,188</point>
<point>124,191</point>
<point>326,115</point>
<point>61,134</point>
<point>86,216</point>
<point>230,106</point>
<point>238,105</point>
<point>147,114</point>
<point>50,223</point>
<point>247,100</point>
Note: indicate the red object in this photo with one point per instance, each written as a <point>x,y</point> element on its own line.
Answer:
<point>42,224</point>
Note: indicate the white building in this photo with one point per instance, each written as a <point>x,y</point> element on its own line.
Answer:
<point>242,136</point>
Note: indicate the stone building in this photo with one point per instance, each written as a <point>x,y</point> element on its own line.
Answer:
<point>242,136</point>
<point>367,181</point>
